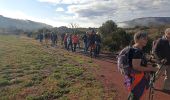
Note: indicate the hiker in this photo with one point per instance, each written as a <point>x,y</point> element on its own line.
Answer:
<point>75,42</point>
<point>65,40</point>
<point>78,42</point>
<point>162,51</point>
<point>85,41</point>
<point>69,42</point>
<point>91,42</point>
<point>98,44</point>
<point>62,38</point>
<point>46,36</point>
<point>54,39</point>
<point>137,75</point>
<point>40,37</point>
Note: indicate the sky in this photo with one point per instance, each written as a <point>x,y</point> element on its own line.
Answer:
<point>85,13</point>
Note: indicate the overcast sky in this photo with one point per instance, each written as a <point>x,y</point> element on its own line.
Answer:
<point>86,13</point>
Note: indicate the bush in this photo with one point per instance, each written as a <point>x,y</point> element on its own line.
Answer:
<point>114,38</point>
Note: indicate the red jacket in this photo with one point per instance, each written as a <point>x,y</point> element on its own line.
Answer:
<point>74,39</point>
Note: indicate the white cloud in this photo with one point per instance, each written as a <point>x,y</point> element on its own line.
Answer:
<point>59,9</point>
<point>90,13</point>
<point>66,1</point>
<point>50,1</point>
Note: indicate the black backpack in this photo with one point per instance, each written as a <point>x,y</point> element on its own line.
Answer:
<point>124,60</point>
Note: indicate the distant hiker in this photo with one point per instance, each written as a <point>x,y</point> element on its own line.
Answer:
<point>62,38</point>
<point>133,64</point>
<point>65,40</point>
<point>162,51</point>
<point>47,37</point>
<point>78,43</point>
<point>91,41</point>
<point>98,44</point>
<point>85,41</point>
<point>69,42</point>
<point>75,41</point>
<point>54,39</point>
<point>40,37</point>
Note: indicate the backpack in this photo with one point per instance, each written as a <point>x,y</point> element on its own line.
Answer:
<point>154,45</point>
<point>124,60</point>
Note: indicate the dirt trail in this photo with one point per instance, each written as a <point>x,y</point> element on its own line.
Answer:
<point>113,81</point>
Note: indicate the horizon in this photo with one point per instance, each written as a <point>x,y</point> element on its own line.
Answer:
<point>85,13</point>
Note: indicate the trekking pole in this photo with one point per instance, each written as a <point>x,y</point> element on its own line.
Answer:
<point>154,75</point>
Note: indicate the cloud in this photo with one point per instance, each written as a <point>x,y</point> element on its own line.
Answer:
<point>50,1</point>
<point>66,1</point>
<point>59,9</point>
<point>92,13</point>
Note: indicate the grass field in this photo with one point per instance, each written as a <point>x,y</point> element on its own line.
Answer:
<point>29,71</point>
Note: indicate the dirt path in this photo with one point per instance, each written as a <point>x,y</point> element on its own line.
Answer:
<point>113,81</point>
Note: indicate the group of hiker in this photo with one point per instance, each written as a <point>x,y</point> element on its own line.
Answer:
<point>135,67</point>
<point>47,37</point>
<point>131,60</point>
<point>90,40</point>
<point>71,41</point>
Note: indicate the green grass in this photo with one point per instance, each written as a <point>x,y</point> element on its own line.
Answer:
<point>4,82</point>
<point>28,71</point>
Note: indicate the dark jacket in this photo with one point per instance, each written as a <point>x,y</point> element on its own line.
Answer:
<point>162,50</point>
<point>85,38</point>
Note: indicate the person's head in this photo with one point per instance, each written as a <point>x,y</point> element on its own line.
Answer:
<point>167,33</point>
<point>141,38</point>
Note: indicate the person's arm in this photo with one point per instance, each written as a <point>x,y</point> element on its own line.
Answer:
<point>137,66</point>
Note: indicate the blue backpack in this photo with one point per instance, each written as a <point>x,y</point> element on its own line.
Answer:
<point>124,60</point>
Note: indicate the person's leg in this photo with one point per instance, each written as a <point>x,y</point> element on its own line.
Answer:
<point>79,45</point>
<point>68,46</point>
<point>65,43</point>
<point>84,47</point>
<point>75,47</point>
<point>94,50</point>
<point>72,47</point>
<point>53,43</point>
<point>98,49</point>
<point>46,42</point>
<point>56,42</point>
<point>132,97</point>
<point>166,85</point>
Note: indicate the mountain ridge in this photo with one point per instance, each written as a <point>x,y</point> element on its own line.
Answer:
<point>26,25</point>
<point>145,21</point>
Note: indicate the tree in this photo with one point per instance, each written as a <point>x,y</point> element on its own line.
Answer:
<point>73,26</point>
<point>107,28</point>
<point>113,37</point>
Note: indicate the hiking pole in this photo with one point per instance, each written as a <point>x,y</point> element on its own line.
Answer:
<point>152,80</point>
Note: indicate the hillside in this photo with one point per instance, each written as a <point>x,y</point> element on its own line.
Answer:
<point>17,24</point>
<point>146,21</point>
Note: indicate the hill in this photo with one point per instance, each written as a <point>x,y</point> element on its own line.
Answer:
<point>146,21</point>
<point>9,24</point>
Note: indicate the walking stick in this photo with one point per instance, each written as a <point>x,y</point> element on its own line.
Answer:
<point>152,80</point>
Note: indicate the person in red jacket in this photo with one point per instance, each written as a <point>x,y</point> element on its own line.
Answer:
<point>75,41</point>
